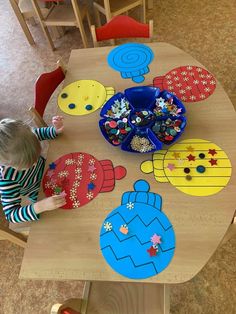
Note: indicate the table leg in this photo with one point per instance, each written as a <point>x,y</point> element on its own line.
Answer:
<point>127,298</point>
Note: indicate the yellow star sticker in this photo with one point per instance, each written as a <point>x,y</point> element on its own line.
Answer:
<point>176,155</point>
<point>190,149</point>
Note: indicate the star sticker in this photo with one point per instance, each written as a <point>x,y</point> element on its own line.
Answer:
<point>91,186</point>
<point>213,161</point>
<point>156,239</point>
<point>191,157</point>
<point>190,149</point>
<point>171,167</point>
<point>152,251</point>
<point>176,155</point>
<point>63,193</point>
<point>50,173</point>
<point>212,152</point>
<point>52,165</point>
<point>58,190</point>
<point>91,168</point>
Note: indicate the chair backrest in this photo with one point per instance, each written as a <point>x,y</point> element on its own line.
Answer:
<point>45,86</point>
<point>122,26</point>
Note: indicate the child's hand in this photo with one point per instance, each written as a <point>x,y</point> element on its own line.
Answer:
<point>50,203</point>
<point>57,122</point>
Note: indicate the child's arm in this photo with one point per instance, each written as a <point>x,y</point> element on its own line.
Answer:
<point>51,132</point>
<point>11,202</point>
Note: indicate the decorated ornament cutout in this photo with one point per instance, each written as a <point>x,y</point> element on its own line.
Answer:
<point>198,167</point>
<point>131,60</point>
<point>84,97</point>
<point>80,177</point>
<point>189,83</point>
<point>141,242</point>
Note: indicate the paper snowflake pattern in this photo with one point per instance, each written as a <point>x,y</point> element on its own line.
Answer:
<point>91,162</point>
<point>130,205</point>
<point>78,177</point>
<point>76,184</point>
<point>89,195</point>
<point>93,176</point>
<point>69,161</point>
<point>107,226</point>
<point>76,204</point>
<point>63,174</point>
<point>48,185</point>
<point>78,170</point>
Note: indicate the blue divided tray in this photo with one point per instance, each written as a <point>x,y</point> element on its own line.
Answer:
<point>142,98</point>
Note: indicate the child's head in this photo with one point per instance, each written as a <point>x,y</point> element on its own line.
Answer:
<point>19,146</point>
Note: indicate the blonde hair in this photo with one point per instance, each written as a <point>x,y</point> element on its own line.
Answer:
<point>19,146</point>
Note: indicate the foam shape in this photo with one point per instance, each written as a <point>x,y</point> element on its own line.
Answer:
<point>127,252</point>
<point>131,60</point>
<point>80,177</point>
<point>187,156</point>
<point>83,97</point>
<point>189,83</point>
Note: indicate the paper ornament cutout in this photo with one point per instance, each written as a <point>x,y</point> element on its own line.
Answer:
<point>80,177</point>
<point>197,173</point>
<point>189,83</point>
<point>83,97</point>
<point>127,253</point>
<point>131,60</point>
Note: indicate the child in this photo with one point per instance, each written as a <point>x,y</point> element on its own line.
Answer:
<point>21,168</point>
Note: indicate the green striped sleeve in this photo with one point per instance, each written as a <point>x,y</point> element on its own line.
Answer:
<point>48,133</point>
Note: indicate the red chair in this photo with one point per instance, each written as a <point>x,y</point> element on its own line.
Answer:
<point>121,26</point>
<point>44,88</point>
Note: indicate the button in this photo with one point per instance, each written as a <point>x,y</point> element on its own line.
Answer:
<point>64,95</point>
<point>71,106</point>
<point>186,170</point>
<point>201,169</point>
<point>88,107</point>
<point>202,156</point>
<point>188,177</point>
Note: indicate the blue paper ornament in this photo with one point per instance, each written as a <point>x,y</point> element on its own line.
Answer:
<point>131,60</point>
<point>127,232</point>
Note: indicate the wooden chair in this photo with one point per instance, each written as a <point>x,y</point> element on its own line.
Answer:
<point>121,26</point>
<point>111,8</point>
<point>73,306</point>
<point>44,88</point>
<point>24,12</point>
<point>7,234</point>
<point>61,14</point>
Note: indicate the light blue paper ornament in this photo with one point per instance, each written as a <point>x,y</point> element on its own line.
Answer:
<point>131,60</point>
<point>140,214</point>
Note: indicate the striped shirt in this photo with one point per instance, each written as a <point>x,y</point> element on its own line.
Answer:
<point>14,183</point>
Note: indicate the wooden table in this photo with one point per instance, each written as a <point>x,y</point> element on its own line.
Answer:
<point>65,245</point>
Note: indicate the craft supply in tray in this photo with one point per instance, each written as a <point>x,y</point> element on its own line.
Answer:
<point>167,130</point>
<point>119,109</point>
<point>166,107</point>
<point>116,130</point>
<point>142,119</point>
<point>141,144</point>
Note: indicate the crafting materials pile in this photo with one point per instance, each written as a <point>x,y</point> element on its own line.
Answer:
<point>142,119</point>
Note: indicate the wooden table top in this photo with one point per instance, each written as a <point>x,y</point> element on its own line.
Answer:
<point>65,244</point>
